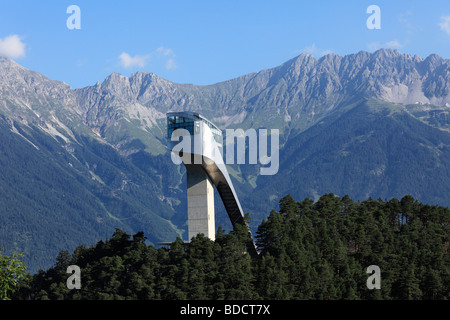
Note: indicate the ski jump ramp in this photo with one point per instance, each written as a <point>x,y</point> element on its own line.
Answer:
<point>198,143</point>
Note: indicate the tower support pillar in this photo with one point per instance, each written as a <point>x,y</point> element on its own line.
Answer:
<point>200,200</point>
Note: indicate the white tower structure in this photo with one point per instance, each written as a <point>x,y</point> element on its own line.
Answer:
<point>197,142</point>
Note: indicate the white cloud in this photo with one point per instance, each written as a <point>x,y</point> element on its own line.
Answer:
<point>160,54</point>
<point>170,64</point>
<point>374,46</point>
<point>394,44</point>
<point>445,24</point>
<point>315,51</point>
<point>12,47</point>
<point>128,61</point>
<point>164,52</point>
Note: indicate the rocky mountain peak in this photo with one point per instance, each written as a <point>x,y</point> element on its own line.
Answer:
<point>6,62</point>
<point>32,91</point>
<point>297,92</point>
<point>387,53</point>
<point>433,61</point>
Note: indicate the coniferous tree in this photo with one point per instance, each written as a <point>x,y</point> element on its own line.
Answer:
<point>308,250</point>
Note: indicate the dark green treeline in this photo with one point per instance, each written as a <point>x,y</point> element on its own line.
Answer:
<point>309,250</point>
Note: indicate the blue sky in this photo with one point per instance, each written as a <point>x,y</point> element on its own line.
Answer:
<point>204,42</point>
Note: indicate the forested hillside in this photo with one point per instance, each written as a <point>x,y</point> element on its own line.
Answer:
<point>309,250</point>
<point>55,197</point>
<point>80,163</point>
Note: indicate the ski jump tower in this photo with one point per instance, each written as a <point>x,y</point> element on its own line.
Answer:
<point>197,143</point>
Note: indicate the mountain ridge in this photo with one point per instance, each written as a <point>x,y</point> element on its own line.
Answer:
<point>301,85</point>
<point>340,120</point>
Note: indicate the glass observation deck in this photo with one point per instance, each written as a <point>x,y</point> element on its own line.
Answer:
<point>191,122</point>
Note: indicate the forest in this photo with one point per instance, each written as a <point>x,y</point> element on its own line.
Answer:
<point>313,250</point>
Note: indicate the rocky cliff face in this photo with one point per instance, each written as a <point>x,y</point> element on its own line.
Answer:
<point>21,84</point>
<point>301,84</point>
<point>293,95</point>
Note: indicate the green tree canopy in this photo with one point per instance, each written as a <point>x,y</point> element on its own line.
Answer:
<point>308,250</point>
<point>12,270</point>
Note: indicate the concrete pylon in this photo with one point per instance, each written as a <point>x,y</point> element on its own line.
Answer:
<point>200,201</point>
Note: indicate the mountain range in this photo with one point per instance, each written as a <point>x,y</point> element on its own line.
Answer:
<point>78,163</point>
